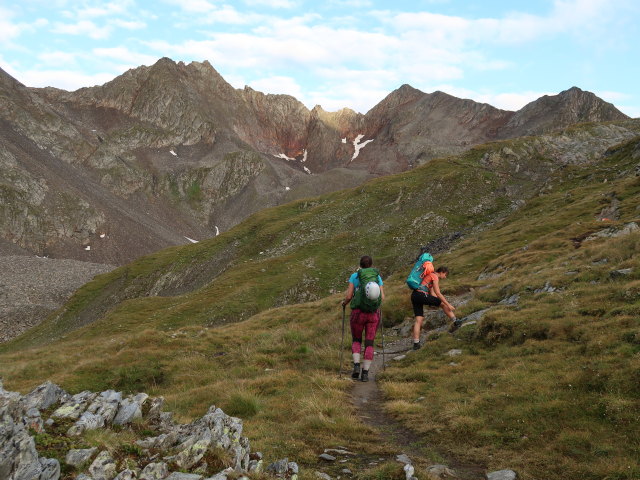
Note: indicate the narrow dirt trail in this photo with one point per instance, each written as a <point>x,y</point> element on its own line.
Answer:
<point>369,402</point>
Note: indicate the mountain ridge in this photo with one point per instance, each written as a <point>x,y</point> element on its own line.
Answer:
<point>179,136</point>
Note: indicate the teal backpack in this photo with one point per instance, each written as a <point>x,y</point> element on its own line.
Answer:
<point>360,300</point>
<point>419,270</point>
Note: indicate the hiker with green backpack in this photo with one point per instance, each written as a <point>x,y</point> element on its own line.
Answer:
<point>365,295</point>
<point>424,282</point>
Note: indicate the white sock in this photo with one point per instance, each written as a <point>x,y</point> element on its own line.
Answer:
<point>366,364</point>
<point>356,358</point>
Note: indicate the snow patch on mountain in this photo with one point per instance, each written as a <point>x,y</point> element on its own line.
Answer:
<point>358,146</point>
<point>284,157</point>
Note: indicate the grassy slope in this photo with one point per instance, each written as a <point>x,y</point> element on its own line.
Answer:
<point>304,250</point>
<point>576,349</point>
<point>550,387</point>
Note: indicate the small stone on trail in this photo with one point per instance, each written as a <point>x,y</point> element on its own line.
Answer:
<point>338,451</point>
<point>453,352</point>
<point>327,457</point>
<point>322,475</point>
<point>440,472</point>
<point>400,357</point>
<point>409,471</point>
<point>502,475</point>
<point>402,458</point>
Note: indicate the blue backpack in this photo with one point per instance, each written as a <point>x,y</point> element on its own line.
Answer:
<point>422,267</point>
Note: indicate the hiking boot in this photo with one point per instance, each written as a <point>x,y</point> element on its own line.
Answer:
<point>356,371</point>
<point>365,376</point>
<point>416,345</point>
<point>455,325</point>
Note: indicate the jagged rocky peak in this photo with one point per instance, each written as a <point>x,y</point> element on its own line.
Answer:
<point>586,106</point>
<point>551,112</point>
<point>343,120</point>
<point>278,105</point>
<point>577,105</point>
<point>131,91</point>
<point>401,96</point>
<point>407,91</point>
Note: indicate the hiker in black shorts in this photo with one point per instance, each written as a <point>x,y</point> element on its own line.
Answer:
<point>429,294</point>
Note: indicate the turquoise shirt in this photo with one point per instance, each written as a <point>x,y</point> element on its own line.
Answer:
<point>356,281</point>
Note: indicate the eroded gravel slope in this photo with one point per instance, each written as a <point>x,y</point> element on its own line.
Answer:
<point>32,287</point>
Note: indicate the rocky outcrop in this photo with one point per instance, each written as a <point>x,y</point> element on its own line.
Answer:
<point>551,112</point>
<point>412,127</point>
<point>50,416</point>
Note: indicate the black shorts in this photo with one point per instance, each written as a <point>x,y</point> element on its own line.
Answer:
<point>420,299</point>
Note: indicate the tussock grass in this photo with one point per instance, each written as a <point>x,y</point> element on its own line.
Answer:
<point>549,386</point>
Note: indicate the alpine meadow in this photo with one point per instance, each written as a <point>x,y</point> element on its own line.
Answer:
<point>541,237</point>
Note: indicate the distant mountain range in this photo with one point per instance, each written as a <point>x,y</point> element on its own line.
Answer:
<point>172,153</point>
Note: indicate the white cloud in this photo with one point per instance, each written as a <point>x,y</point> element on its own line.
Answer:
<point>91,10</point>
<point>272,3</point>
<point>352,3</point>
<point>58,58</point>
<point>125,56</point>
<point>631,110</point>
<point>278,84</point>
<point>129,25</point>
<point>193,6</point>
<point>84,28</point>
<point>356,95</point>
<point>610,96</point>
<point>106,9</point>
<point>10,30</point>
<point>454,32</point>
<point>228,15</point>
<point>288,44</point>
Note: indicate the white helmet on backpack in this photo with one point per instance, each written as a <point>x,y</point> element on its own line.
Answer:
<point>372,290</point>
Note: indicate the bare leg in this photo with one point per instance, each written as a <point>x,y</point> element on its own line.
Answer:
<point>448,312</point>
<point>416,328</point>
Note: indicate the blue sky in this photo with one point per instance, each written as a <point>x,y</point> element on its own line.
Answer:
<point>338,53</point>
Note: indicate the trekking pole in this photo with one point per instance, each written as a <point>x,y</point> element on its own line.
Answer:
<point>344,309</point>
<point>384,366</point>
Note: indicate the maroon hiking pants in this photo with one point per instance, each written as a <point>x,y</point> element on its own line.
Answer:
<point>367,323</point>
